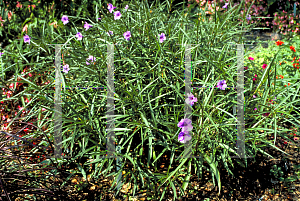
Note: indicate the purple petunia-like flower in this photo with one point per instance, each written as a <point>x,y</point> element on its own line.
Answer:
<point>90,58</point>
<point>87,26</point>
<point>79,36</point>
<point>187,129</point>
<point>1,53</point>
<point>110,32</point>
<point>249,17</point>
<point>225,6</point>
<point>191,99</point>
<point>66,68</point>
<point>110,8</point>
<point>127,35</point>
<point>26,39</point>
<point>184,122</point>
<point>222,84</point>
<point>117,15</point>
<point>186,125</point>
<point>126,7</point>
<point>162,37</point>
<point>65,19</point>
<point>183,138</point>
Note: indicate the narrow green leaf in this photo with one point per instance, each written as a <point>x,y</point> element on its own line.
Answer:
<point>80,168</point>
<point>173,187</point>
<point>131,160</point>
<point>215,171</point>
<point>174,172</point>
<point>187,177</point>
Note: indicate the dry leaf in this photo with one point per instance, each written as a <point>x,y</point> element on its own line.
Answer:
<point>125,188</point>
<point>74,181</point>
<point>93,187</point>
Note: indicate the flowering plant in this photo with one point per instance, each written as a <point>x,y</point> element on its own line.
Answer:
<point>275,70</point>
<point>185,124</point>
<point>148,92</point>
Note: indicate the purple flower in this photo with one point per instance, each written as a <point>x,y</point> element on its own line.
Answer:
<point>191,99</point>
<point>99,18</point>
<point>183,138</point>
<point>1,53</point>
<point>66,68</point>
<point>249,17</point>
<point>110,32</point>
<point>255,108</point>
<point>162,37</point>
<point>186,129</point>
<point>126,7</point>
<point>117,15</point>
<point>186,125</point>
<point>225,6</point>
<point>254,96</point>
<point>222,84</point>
<point>127,35</point>
<point>184,122</point>
<point>79,36</point>
<point>87,26</point>
<point>90,58</point>
<point>26,39</point>
<point>65,19</point>
<point>110,7</point>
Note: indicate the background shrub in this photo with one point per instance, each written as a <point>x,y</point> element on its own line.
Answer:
<point>281,18</point>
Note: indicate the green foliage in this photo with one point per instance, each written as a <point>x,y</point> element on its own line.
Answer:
<point>276,15</point>
<point>284,60</point>
<point>149,89</point>
<point>278,174</point>
<point>32,11</point>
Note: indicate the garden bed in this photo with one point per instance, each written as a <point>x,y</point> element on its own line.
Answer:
<point>260,180</point>
<point>252,182</point>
